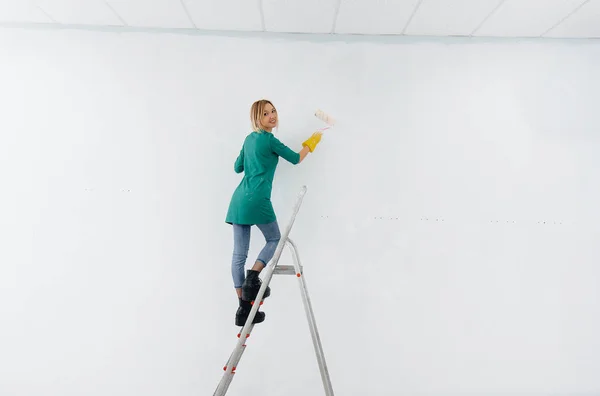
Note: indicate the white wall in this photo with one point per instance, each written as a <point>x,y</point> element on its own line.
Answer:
<point>449,233</point>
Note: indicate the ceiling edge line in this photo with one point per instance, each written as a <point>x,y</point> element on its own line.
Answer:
<point>395,38</point>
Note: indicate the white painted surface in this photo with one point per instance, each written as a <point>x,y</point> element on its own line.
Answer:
<point>449,233</point>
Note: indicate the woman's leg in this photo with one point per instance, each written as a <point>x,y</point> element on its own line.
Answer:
<point>241,245</point>
<point>252,283</point>
<point>272,236</point>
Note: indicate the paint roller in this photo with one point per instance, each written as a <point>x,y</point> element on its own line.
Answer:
<point>326,118</point>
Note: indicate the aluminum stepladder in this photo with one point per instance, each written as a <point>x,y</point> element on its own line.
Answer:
<point>273,268</point>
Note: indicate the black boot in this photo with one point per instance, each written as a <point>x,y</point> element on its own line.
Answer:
<point>252,285</point>
<point>244,310</point>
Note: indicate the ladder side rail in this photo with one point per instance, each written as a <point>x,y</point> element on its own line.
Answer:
<point>245,333</point>
<point>311,321</point>
<point>274,261</point>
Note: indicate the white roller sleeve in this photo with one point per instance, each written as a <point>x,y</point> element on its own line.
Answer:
<point>326,118</point>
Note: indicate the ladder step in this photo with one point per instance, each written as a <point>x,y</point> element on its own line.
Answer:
<point>286,270</point>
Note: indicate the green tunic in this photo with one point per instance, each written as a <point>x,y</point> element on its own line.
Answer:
<point>258,158</point>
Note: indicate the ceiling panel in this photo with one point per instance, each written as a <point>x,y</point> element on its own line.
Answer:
<point>152,13</point>
<point>490,18</point>
<point>80,12</point>
<point>374,16</point>
<point>299,16</point>
<point>531,18</point>
<point>455,18</point>
<point>225,14</point>
<point>21,11</point>
<point>585,22</point>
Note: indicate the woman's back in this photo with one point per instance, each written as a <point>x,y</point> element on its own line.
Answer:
<point>258,159</point>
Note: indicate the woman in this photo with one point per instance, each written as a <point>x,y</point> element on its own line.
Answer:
<point>251,202</point>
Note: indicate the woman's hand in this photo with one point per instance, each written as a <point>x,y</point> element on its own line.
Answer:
<point>312,141</point>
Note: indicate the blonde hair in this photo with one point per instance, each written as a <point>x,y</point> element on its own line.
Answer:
<point>256,113</point>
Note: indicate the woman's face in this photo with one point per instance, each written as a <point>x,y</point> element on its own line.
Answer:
<point>269,118</point>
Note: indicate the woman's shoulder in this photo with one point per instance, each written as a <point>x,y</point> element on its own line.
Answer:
<point>250,135</point>
<point>256,137</point>
<point>260,135</point>
<point>257,134</point>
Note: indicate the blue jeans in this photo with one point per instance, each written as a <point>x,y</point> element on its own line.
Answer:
<point>241,245</point>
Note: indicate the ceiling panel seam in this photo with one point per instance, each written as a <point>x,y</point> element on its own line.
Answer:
<point>262,15</point>
<point>187,12</point>
<point>46,13</point>
<point>565,18</point>
<point>335,15</point>
<point>115,12</point>
<point>487,17</point>
<point>414,12</point>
